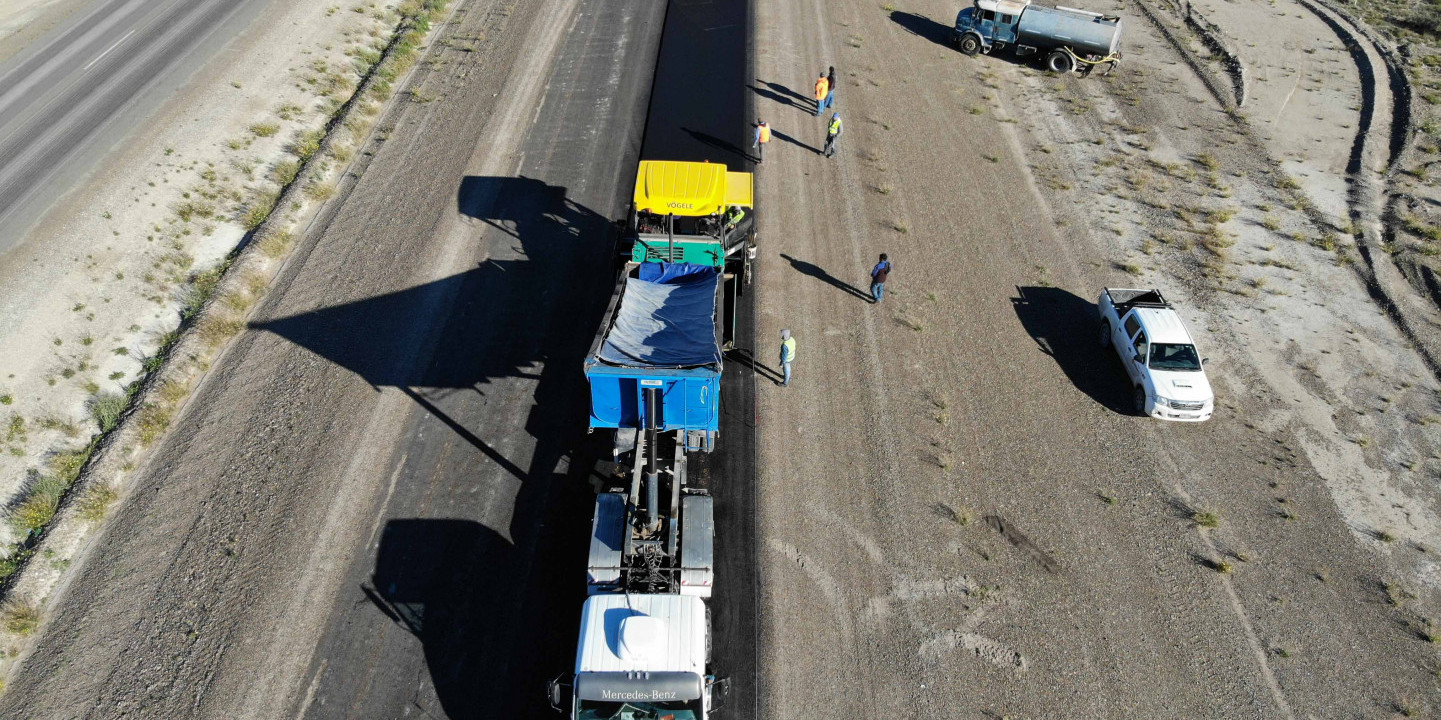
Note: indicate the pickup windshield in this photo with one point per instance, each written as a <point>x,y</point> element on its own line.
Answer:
<point>1171,356</point>
<point>592,710</point>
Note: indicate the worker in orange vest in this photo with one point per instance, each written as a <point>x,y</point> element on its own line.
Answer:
<point>823,88</point>
<point>763,138</point>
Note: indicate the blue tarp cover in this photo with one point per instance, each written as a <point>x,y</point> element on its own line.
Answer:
<point>666,320</point>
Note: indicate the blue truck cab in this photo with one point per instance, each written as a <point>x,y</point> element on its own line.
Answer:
<point>991,22</point>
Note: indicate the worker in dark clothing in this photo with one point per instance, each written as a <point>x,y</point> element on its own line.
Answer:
<point>833,131</point>
<point>830,89</point>
<point>879,274</point>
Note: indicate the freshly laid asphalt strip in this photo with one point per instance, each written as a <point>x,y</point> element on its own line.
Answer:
<point>700,111</point>
<point>85,86</point>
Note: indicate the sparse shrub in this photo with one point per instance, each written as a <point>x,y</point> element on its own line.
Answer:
<point>107,408</point>
<point>1206,519</point>
<point>264,129</point>
<point>20,618</point>
<point>95,503</point>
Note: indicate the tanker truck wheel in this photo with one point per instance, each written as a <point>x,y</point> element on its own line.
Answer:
<point>970,45</point>
<point>1059,61</point>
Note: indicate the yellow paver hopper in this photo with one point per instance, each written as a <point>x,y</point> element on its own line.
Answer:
<point>690,189</point>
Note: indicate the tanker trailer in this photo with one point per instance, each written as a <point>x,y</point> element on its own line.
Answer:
<point>1070,39</point>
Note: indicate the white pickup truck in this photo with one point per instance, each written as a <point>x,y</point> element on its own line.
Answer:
<point>1158,354</point>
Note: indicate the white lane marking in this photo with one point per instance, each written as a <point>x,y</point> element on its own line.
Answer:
<point>101,56</point>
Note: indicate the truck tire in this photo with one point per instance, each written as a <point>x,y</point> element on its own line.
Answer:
<point>1105,337</point>
<point>1059,61</point>
<point>1139,400</point>
<point>970,44</point>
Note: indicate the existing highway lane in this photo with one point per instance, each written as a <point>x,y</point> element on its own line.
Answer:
<point>69,97</point>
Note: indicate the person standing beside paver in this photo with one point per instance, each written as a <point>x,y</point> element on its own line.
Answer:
<point>763,138</point>
<point>788,356</point>
<point>879,273</point>
<point>833,131</point>
<point>830,89</point>
<point>823,88</point>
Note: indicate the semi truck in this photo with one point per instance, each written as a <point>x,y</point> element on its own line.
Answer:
<point>696,213</point>
<point>1068,38</point>
<point>654,373</point>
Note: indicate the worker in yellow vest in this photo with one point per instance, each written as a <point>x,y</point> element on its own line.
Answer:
<point>823,88</point>
<point>763,138</point>
<point>788,356</point>
<point>832,132</point>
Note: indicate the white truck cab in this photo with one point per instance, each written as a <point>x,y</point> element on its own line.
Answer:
<point>1167,374</point>
<point>640,657</point>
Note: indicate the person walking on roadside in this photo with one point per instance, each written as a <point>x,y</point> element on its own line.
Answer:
<point>879,273</point>
<point>823,88</point>
<point>830,89</point>
<point>833,131</point>
<point>763,138</point>
<point>788,356</point>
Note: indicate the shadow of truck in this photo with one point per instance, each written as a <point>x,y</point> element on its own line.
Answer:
<point>1064,326</point>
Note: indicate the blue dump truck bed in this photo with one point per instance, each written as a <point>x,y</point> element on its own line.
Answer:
<point>662,330</point>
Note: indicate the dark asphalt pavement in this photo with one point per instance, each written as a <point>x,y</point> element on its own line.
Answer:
<point>67,100</point>
<point>493,591</point>
<point>700,111</point>
<point>380,507</point>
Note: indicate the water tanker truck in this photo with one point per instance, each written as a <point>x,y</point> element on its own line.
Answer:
<point>1068,38</point>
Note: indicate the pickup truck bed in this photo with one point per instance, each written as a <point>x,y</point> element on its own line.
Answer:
<point>1126,298</point>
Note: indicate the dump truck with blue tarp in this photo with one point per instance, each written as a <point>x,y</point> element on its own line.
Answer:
<point>654,372</point>
<point>696,213</point>
<point>656,360</point>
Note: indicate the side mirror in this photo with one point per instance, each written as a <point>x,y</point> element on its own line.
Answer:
<point>1205,360</point>
<point>719,689</point>
<point>557,691</point>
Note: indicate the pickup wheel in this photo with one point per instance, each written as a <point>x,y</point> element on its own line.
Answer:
<point>1105,338</point>
<point>970,45</point>
<point>1139,400</point>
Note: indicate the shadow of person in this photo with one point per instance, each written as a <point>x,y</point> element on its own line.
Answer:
<point>811,270</point>
<point>746,358</point>
<point>782,136</point>
<point>778,98</point>
<point>1065,327</point>
<point>787,92</point>
<point>719,144</point>
<point>923,26</point>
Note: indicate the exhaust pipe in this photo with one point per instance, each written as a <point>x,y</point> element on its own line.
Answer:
<point>652,472</point>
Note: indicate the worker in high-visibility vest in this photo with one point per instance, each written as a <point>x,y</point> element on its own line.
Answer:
<point>763,138</point>
<point>733,216</point>
<point>823,88</point>
<point>833,131</point>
